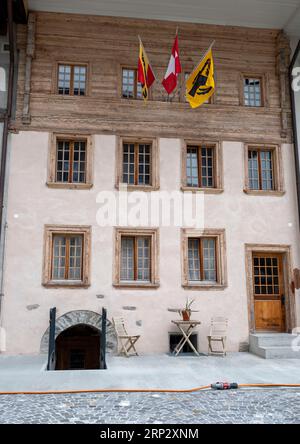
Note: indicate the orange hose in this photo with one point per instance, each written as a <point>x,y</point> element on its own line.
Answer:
<point>203,387</point>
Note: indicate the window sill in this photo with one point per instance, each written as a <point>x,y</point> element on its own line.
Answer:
<point>70,186</point>
<point>264,192</point>
<point>70,96</point>
<point>138,187</point>
<point>139,285</point>
<point>203,190</point>
<point>200,286</point>
<point>66,284</point>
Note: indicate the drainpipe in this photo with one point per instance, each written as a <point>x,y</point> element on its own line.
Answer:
<point>294,120</point>
<point>5,134</point>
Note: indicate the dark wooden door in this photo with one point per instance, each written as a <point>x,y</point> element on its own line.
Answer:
<point>75,351</point>
<point>268,289</point>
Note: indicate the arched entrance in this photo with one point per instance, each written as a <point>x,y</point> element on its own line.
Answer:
<point>78,348</point>
<point>79,327</point>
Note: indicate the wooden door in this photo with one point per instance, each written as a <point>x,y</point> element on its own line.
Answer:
<point>78,348</point>
<point>268,289</point>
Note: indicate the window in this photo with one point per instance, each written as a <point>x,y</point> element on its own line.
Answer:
<point>135,258</point>
<point>252,91</point>
<point>67,257</point>
<point>202,259</point>
<point>136,261</point>
<point>263,173</point>
<point>70,161</point>
<point>202,167</point>
<point>131,88</point>
<point>204,264</point>
<point>72,80</point>
<point>137,162</point>
<point>260,169</point>
<point>67,251</point>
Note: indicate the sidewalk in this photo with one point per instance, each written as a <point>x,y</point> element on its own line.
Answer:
<point>27,373</point>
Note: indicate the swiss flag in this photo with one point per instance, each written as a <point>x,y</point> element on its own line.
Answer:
<point>174,68</point>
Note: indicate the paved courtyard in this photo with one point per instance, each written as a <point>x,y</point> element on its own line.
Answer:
<point>27,372</point>
<point>240,406</point>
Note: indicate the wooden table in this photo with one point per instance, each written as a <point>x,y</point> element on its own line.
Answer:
<point>186,328</point>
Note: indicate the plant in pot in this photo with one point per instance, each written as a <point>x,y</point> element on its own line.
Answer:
<point>186,312</point>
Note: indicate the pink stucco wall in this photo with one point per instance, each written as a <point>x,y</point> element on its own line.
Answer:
<point>247,219</point>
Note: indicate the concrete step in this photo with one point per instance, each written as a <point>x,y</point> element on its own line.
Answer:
<point>278,353</point>
<point>272,339</point>
<point>275,345</point>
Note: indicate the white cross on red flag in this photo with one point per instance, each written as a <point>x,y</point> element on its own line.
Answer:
<point>174,68</point>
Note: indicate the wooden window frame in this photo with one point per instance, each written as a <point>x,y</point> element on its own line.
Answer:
<point>154,167</point>
<point>153,233</point>
<point>220,257</point>
<point>68,237</point>
<point>120,85</point>
<point>217,167</point>
<point>278,182</point>
<point>200,252</point>
<point>264,89</point>
<point>129,68</point>
<point>51,179</point>
<point>49,232</point>
<point>72,65</point>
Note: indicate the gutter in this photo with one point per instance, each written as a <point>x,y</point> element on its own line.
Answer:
<point>294,122</point>
<point>7,118</point>
<point>8,109</point>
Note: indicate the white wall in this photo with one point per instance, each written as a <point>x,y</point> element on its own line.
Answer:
<point>247,219</point>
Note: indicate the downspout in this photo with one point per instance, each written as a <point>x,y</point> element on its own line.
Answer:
<point>295,132</point>
<point>5,133</point>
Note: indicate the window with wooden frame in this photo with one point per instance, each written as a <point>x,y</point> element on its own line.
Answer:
<point>136,257</point>
<point>204,262</point>
<point>72,79</point>
<point>137,163</point>
<point>70,161</point>
<point>202,166</point>
<point>67,255</point>
<point>131,88</point>
<point>263,170</point>
<point>253,91</point>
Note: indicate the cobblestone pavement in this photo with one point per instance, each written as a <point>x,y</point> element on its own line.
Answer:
<point>240,406</point>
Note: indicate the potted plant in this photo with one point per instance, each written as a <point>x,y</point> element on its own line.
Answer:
<point>186,312</point>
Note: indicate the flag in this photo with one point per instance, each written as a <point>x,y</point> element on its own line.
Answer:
<point>145,73</point>
<point>174,68</point>
<point>200,85</point>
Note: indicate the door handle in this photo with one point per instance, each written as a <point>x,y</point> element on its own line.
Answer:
<point>282,299</point>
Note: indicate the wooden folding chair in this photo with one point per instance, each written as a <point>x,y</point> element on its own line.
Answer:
<point>126,341</point>
<point>218,333</point>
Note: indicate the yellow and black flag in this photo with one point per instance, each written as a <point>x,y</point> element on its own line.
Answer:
<point>200,85</point>
<point>145,72</point>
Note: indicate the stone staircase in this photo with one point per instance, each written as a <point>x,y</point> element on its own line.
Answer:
<point>275,345</point>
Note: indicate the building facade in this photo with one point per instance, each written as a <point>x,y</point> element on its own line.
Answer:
<point>81,128</point>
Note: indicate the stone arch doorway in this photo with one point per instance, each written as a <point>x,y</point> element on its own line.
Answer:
<point>78,348</point>
<point>78,318</point>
